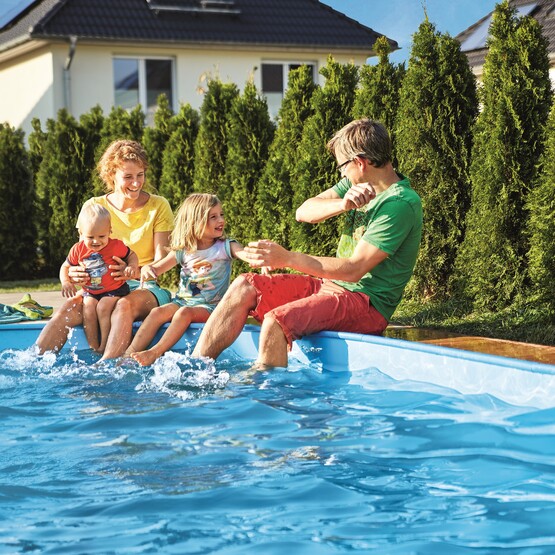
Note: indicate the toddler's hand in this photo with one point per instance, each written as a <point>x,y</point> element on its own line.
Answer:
<point>68,289</point>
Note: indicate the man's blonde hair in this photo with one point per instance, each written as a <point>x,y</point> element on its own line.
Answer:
<point>362,137</point>
<point>117,153</point>
<point>191,221</point>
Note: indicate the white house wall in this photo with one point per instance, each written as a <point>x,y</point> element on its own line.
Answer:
<point>27,89</point>
<point>34,86</point>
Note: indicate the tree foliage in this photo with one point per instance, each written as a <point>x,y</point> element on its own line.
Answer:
<point>17,230</point>
<point>178,161</point>
<point>541,225</point>
<point>276,212</point>
<point>155,139</point>
<point>63,184</point>
<point>437,111</point>
<point>378,95</point>
<point>212,141</point>
<point>516,98</point>
<point>250,134</point>
<point>316,169</point>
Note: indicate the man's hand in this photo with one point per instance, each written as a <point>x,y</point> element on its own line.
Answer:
<point>358,195</point>
<point>266,253</point>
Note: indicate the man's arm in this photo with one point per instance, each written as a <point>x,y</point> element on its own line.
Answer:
<point>363,260</point>
<point>328,204</point>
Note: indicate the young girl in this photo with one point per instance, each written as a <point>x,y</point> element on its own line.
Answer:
<point>199,246</point>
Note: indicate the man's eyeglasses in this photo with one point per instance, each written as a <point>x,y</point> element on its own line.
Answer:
<point>342,167</point>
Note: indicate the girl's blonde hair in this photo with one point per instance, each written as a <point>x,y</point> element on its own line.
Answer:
<point>116,155</point>
<point>191,221</point>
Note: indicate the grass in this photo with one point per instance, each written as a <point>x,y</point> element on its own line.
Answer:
<point>524,322</point>
<point>30,285</point>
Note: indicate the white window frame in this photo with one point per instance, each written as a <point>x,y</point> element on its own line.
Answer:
<point>142,77</point>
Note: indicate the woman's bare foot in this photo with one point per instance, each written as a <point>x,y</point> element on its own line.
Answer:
<point>145,358</point>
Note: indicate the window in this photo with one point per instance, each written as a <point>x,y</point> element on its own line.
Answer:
<point>275,76</point>
<point>141,81</point>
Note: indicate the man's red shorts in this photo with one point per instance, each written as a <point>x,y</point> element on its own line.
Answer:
<point>302,305</point>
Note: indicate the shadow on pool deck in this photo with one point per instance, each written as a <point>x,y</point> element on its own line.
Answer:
<point>501,347</point>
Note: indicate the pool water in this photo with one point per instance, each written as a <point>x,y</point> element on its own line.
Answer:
<point>194,457</point>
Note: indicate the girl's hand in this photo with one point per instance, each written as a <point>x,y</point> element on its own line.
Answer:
<point>68,289</point>
<point>118,270</point>
<point>78,275</point>
<point>148,272</point>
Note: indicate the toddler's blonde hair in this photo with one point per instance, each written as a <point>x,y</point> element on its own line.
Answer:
<point>191,221</point>
<point>92,213</point>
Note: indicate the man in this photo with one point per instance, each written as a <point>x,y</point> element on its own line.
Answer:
<point>358,290</point>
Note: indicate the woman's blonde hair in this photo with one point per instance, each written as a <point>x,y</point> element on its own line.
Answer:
<point>117,153</point>
<point>191,221</point>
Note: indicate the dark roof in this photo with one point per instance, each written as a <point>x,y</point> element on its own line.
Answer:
<point>302,23</point>
<point>543,11</point>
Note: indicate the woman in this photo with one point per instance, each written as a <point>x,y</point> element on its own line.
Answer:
<point>144,223</point>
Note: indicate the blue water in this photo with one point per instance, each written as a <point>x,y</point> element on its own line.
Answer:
<point>189,457</point>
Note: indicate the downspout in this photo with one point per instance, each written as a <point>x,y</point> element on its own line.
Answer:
<point>67,78</point>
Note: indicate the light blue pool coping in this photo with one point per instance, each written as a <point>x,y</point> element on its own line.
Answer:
<point>513,380</point>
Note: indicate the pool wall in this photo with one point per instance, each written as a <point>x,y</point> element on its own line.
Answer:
<point>512,380</point>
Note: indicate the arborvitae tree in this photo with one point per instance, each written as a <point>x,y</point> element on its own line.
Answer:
<point>90,130</point>
<point>61,190</point>
<point>541,226</point>
<point>276,213</point>
<point>178,162</point>
<point>378,95</point>
<point>250,135</point>
<point>212,143</point>
<point>316,169</point>
<point>437,111</point>
<point>509,139</point>
<point>17,232</point>
<point>37,138</point>
<point>119,124</point>
<point>155,139</point>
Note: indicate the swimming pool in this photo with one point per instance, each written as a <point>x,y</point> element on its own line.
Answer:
<point>363,445</point>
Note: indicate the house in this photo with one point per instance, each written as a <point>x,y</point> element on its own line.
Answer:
<point>80,53</point>
<point>473,39</point>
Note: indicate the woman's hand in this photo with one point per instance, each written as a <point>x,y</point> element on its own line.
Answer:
<point>118,270</point>
<point>78,275</point>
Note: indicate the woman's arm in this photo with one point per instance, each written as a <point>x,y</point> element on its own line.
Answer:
<point>161,243</point>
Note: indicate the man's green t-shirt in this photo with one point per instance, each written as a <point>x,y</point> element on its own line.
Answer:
<point>392,222</point>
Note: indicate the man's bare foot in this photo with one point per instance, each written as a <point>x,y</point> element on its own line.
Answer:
<point>145,358</point>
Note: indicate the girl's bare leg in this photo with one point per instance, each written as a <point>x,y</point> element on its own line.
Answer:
<point>90,322</point>
<point>104,311</point>
<point>178,326</point>
<point>54,334</point>
<point>134,306</point>
<point>149,328</point>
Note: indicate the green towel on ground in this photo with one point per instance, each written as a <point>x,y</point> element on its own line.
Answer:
<point>26,309</point>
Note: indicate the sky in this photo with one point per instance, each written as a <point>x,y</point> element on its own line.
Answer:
<point>397,19</point>
<point>400,19</point>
